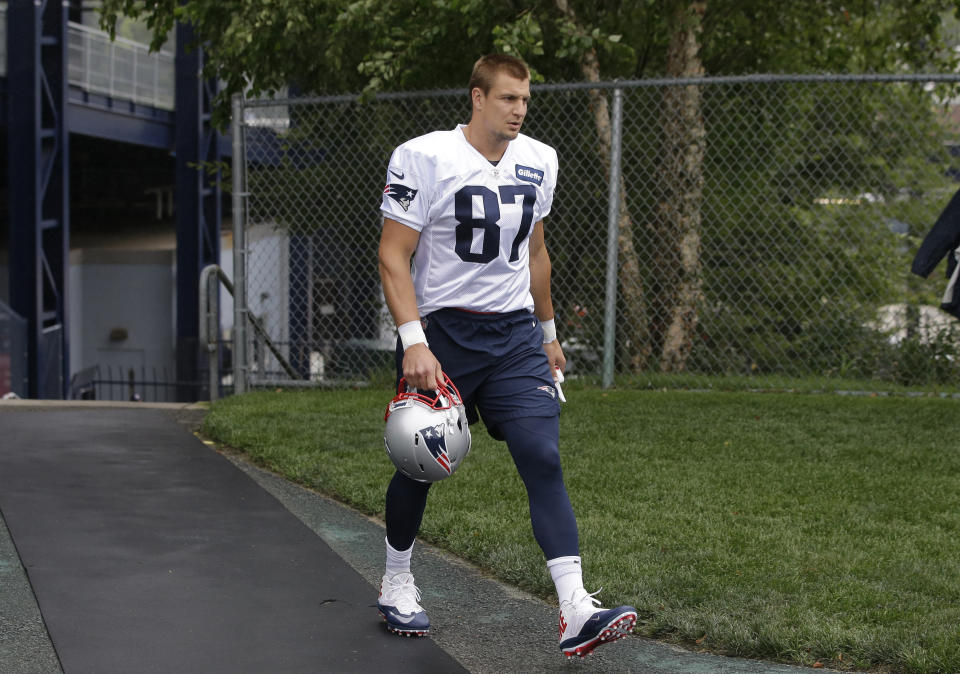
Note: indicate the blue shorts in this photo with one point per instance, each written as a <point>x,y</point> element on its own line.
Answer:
<point>496,361</point>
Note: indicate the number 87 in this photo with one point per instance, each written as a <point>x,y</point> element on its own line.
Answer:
<point>463,212</point>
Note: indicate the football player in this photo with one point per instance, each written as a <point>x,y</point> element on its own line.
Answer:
<point>467,205</point>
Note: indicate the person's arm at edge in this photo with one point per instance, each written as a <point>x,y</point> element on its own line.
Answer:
<point>540,271</point>
<point>397,244</point>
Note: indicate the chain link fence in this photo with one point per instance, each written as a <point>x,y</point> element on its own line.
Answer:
<point>762,229</point>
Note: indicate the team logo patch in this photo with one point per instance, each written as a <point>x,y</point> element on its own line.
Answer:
<point>402,194</point>
<point>550,390</point>
<point>437,445</point>
<point>531,175</point>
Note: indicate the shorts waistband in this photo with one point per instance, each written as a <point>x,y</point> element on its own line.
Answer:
<point>484,315</point>
<point>471,311</point>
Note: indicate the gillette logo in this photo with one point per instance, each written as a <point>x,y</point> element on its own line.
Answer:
<point>531,175</point>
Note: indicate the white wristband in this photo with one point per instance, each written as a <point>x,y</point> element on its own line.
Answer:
<point>549,331</point>
<point>411,333</point>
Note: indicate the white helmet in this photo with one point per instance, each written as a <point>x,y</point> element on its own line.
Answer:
<point>427,438</point>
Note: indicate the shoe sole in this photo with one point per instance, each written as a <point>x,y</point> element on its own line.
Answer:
<point>403,631</point>
<point>617,628</point>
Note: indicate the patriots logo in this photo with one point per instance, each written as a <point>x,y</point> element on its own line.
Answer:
<point>402,194</point>
<point>549,390</point>
<point>435,439</point>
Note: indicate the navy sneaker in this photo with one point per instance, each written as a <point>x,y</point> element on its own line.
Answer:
<point>584,625</point>
<point>398,606</point>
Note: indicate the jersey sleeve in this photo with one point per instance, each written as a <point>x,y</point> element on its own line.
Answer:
<point>549,183</point>
<point>405,196</point>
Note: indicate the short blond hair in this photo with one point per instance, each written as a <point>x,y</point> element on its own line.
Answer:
<point>487,67</point>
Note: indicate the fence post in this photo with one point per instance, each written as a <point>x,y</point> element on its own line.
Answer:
<point>238,197</point>
<point>613,226</point>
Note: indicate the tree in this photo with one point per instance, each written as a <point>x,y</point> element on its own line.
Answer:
<point>634,315</point>
<point>337,46</point>
<point>684,139</point>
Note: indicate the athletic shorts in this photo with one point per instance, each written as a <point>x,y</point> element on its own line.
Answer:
<point>496,361</point>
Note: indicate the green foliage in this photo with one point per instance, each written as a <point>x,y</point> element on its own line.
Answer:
<point>743,36</point>
<point>159,17</point>
<point>335,46</point>
<point>522,37</point>
<point>915,361</point>
<point>804,185</point>
<point>764,173</point>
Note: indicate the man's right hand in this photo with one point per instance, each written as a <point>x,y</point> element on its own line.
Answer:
<point>421,368</point>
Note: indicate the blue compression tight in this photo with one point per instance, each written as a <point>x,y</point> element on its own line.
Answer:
<point>534,444</point>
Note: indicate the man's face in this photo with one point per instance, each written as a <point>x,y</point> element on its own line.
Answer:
<point>502,109</point>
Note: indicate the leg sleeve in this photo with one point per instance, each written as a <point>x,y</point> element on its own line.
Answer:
<point>534,446</point>
<point>406,501</point>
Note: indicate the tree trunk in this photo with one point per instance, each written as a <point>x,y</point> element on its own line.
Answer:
<point>684,138</point>
<point>633,321</point>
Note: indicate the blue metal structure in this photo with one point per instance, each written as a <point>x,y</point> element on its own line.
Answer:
<point>198,200</point>
<point>38,160</point>
<point>100,116</point>
<point>45,97</point>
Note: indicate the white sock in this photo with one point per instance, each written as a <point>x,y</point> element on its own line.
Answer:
<point>398,561</point>
<point>567,575</point>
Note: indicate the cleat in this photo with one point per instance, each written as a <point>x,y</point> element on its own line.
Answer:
<point>584,625</point>
<point>399,608</point>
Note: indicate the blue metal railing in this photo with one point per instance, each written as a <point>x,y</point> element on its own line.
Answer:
<point>121,68</point>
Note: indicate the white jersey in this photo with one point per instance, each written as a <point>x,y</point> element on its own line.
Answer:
<point>474,218</point>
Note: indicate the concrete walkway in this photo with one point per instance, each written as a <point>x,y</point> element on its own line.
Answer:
<point>136,547</point>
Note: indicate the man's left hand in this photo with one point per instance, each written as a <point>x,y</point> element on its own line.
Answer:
<point>555,356</point>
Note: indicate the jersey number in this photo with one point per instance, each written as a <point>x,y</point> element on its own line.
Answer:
<point>490,230</point>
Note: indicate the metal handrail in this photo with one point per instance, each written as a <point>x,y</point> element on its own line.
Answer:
<point>209,328</point>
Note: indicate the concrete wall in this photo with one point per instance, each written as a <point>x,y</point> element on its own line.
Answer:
<point>268,291</point>
<point>122,311</point>
<point>122,306</point>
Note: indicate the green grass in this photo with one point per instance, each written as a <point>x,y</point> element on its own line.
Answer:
<point>788,527</point>
<point>773,383</point>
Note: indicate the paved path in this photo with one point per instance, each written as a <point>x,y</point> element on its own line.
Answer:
<point>148,551</point>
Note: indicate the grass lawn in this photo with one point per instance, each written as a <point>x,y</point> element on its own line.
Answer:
<point>789,527</point>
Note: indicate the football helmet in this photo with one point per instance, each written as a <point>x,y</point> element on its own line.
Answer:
<point>427,437</point>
